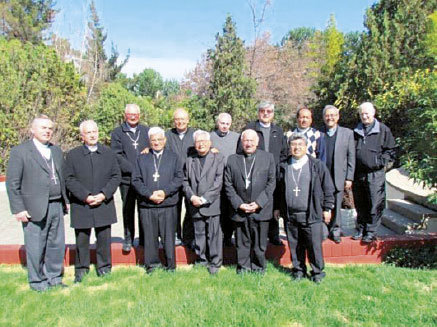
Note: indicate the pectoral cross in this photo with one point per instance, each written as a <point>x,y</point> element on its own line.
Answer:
<point>135,144</point>
<point>296,190</point>
<point>54,179</point>
<point>247,183</point>
<point>155,176</point>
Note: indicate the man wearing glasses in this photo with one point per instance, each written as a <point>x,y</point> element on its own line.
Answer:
<point>271,139</point>
<point>127,141</point>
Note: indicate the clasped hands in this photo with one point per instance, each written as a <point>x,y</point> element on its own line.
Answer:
<point>95,200</point>
<point>157,196</point>
<point>249,207</point>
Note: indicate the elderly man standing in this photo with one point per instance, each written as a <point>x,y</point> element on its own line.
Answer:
<point>128,140</point>
<point>250,181</point>
<point>36,191</point>
<point>271,139</point>
<point>316,142</point>
<point>203,180</point>
<point>340,160</point>
<point>92,176</point>
<point>305,198</point>
<point>225,141</point>
<point>375,152</point>
<point>180,141</point>
<point>158,179</point>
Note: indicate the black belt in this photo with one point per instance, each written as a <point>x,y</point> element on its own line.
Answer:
<point>55,200</point>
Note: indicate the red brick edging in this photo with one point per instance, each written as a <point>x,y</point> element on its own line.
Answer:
<point>349,251</point>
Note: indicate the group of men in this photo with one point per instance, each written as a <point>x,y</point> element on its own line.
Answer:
<point>230,184</point>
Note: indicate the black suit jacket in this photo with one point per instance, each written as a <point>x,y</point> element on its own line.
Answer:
<point>126,153</point>
<point>277,143</point>
<point>170,179</point>
<point>183,148</point>
<point>205,182</point>
<point>28,179</point>
<point>87,174</point>
<point>263,183</point>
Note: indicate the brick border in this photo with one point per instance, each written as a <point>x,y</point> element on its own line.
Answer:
<point>348,251</point>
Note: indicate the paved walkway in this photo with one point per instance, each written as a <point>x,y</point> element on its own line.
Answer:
<point>11,231</point>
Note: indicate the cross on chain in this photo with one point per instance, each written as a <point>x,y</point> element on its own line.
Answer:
<point>155,176</point>
<point>296,190</point>
<point>135,144</point>
<point>54,179</point>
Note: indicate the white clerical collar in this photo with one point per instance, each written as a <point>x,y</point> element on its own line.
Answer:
<point>300,130</point>
<point>92,148</point>
<point>264,125</point>
<point>42,148</point>
<point>156,153</point>
<point>133,129</point>
<point>331,131</point>
<point>299,163</point>
<point>181,134</point>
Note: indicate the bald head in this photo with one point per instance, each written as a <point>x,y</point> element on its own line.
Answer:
<point>181,120</point>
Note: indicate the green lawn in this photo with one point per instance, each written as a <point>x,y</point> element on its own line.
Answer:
<point>370,295</point>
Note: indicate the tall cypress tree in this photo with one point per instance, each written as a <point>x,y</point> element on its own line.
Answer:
<point>230,89</point>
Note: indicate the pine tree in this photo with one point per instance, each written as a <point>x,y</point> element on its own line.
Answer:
<point>26,20</point>
<point>230,89</point>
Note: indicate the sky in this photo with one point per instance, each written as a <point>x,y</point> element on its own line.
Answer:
<point>170,36</point>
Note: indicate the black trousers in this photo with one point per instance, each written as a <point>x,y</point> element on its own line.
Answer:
<point>226,222</point>
<point>251,241</point>
<point>273,229</point>
<point>369,198</point>
<point>185,230</point>
<point>103,250</point>
<point>335,223</point>
<point>209,241</point>
<point>305,239</point>
<point>130,198</point>
<point>159,223</point>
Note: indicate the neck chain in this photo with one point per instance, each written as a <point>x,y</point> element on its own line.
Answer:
<point>134,142</point>
<point>296,190</point>
<point>156,174</point>
<point>247,175</point>
<point>51,168</point>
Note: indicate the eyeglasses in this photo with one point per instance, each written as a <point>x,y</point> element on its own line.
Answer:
<point>132,115</point>
<point>266,111</point>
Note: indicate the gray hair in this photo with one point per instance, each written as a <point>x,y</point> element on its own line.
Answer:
<point>222,115</point>
<point>327,107</point>
<point>266,104</point>
<point>132,105</point>
<point>155,130</point>
<point>38,118</point>
<point>297,136</point>
<point>200,132</point>
<point>249,131</point>
<point>87,122</point>
<point>368,105</point>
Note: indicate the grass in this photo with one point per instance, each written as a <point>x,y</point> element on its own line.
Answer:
<point>352,295</point>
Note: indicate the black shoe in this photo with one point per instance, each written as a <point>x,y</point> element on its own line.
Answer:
<point>127,247</point>
<point>78,279</point>
<point>369,238</point>
<point>335,238</point>
<point>358,235</point>
<point>298,276</point>
<point>276,241</point>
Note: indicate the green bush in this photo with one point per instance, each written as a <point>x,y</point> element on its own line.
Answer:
<point>424,257</point>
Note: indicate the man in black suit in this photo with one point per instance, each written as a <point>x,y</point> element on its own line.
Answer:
<point>271,139</point>
<point>305,197</point>
<point>129,140</point>
<point>180,141</point>
<point>92,176</point>
<point>250,181</point>
<point>37,197</point>
<point>340,160</point>
<point>158,179</point>
<point>203,180</point>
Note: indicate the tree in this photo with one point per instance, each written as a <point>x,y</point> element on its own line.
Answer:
<point>147,83</point>
<point>33,80</point>
<point>230,90</point>
<point>26,20</point>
